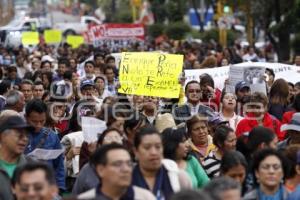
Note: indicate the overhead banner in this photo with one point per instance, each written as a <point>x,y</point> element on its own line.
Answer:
<point>122,34</point>
<point>30,38</point>
<point>52,36</point>
<point>150,74</point>
<point>290,73</point>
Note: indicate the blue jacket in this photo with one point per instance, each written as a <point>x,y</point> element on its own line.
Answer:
<point>295,195</point>
<point>52,142</point>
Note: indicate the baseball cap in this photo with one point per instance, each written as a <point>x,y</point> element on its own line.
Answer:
<point>240,85</point>
<point>293,125</point>
<point>14,122</point>
<point>86,82</point>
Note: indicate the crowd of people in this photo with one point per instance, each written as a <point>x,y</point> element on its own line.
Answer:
<point>206,144</point>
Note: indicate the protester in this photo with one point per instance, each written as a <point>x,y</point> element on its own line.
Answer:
<point>296,194</point>
<point>235,166</point>
<point>114,167</point>
<point>161,177</point>
<point>223,188</point>
<point>44,138</point>
<point>278,98</point>
<point>13,139</point>
<point>224,139</point>
<point>35,181</point>
<point>15,100</point>
<point>193,105</point>
<point>292,179</point>
<point>242,91</point>
<point>268,167</point>
<point>176,147</point>
<point>26,89</point>
<point>257,115</point>
<point>227,109</point>
<point>200,140</point>
<point>293,132</point>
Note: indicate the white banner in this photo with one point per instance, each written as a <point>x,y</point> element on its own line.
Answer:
<point>290,73</point>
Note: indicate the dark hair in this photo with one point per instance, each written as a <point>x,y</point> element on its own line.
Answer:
<point>99,157</point>
<point>195,119</point>
<point>291,84</point>
<point>63,61</point>
<point>189,83</point>
<point>33,166</point>
<point>271,71</point>
<point>68,75</point>
<point>38,83</point>
<point>190,195</point>
<point>221,134</point>
<point>279,92</point>
<point>216,187</point>
<point>291,154</point>
<point>259,97</point>
<point>147,130</point>
<point>171,139</point>
<point>224,93</point>
<point>232,159</point>
<point>108,67</point>
<point>297,84</point>
<point>207,79</point>
<point>259,135</point>
<point>89,62</point>
<point>102,136</point>
<point>4,86</point>
<point>108,58</point>
<point>112,114</point>
<point>296,103</point>
<point>260,155</point>
<point>99,77</point>
<point>134,121</point>
<point>45,62</point>
<point>35,105</point>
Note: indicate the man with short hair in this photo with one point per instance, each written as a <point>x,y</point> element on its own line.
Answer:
<point>62,67</point>
<point>42,137</point>
<point>15,100</point>
<point>296,194</point>
<point>38,90</point>
<point>114,167</point>
<point>193,105</point>
<point>35,181</point>
<point>26,89</point>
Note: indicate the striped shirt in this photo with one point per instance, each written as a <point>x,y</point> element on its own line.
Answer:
<point>211,165</point>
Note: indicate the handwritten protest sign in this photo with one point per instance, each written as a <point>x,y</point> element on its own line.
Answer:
<point>150,74</point>
<point>75,40</point>
<point>52,36</point>
<point>30,38</point>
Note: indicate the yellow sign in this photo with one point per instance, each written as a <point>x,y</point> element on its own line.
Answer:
<point>150,74</point>
<point>75,40</point>
<point>52,36</point>
<point>30,38</point>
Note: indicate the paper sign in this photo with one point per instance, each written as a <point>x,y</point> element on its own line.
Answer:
<point>75,40</point>
<point>92,128</point>
<point>150,74</point>
<point>253,76</point>
<point>45,154</point>
<point>52,36</point>
<point>30,38</point>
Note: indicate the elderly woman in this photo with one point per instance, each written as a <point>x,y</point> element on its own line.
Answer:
<point>200,140</point>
